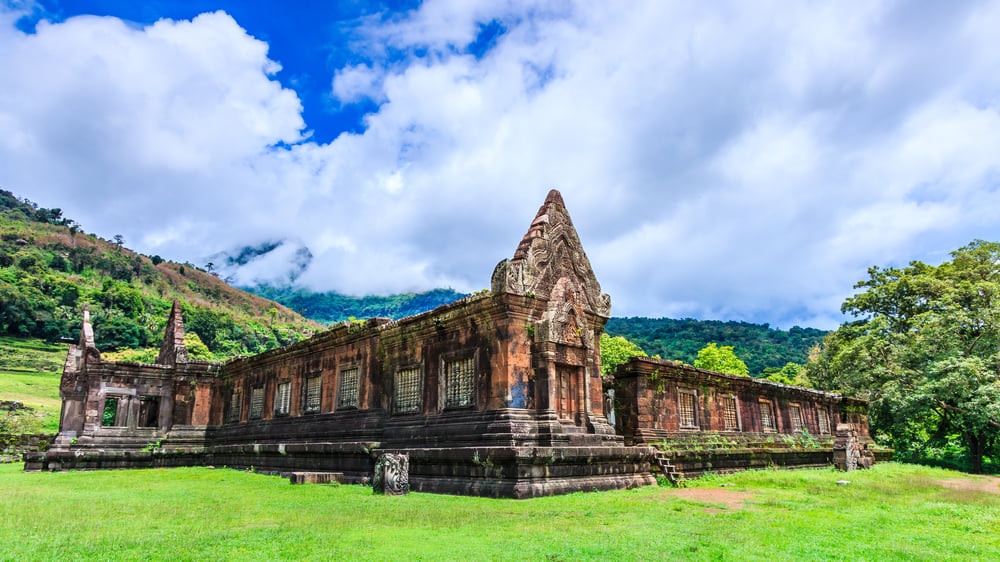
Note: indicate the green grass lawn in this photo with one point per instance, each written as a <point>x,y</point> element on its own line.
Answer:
<point>893,512</point>
<point>30,370</point>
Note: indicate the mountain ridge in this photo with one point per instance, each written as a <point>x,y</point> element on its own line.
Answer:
<point>50,271</point>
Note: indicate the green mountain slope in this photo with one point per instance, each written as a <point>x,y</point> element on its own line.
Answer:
<point>758,345</point>
<point>50,271</point>
<point>334,307</point>
<point>30,371</point>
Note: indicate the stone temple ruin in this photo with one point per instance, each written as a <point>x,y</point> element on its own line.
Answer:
<point>498,394</point>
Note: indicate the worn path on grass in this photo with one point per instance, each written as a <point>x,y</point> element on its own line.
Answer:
<point>985,484</point>
<point>730,499</point>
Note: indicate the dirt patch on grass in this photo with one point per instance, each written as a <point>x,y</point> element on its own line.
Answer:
<point>717,496</point>
<point>981,484</point>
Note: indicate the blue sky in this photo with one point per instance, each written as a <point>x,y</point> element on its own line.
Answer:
<point>721,160</point>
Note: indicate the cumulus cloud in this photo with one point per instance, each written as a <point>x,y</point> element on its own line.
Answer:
<point>722,160</point>
<point>355,83</point>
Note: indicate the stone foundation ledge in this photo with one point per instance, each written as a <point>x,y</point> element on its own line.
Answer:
<point>691,464</point>
<point>525,489</point>
<point>99,459</point>
<point>511,472</point>
<point>295,448</point>
<point>525,472</point>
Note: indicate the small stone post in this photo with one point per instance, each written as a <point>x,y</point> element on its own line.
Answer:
<point>392,474</point>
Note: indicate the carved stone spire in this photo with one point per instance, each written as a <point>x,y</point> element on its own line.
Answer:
<point>550,263</point>
<point>86,350</point>
<point>172,350</point>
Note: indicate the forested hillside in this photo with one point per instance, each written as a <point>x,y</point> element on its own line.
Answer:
<point>758,345</point>
<point>50,271</point>
<point>334,307</point>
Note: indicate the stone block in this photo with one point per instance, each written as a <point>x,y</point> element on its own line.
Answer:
<point>316,477</point>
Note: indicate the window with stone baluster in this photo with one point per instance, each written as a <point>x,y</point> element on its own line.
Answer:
<point>235,407</point>
<point>795,415</point>
<point>256,402</point>
<point>312,395</point>
<point>730,413</point>
<point>460,382</point>
<point>347,394</point>
<point>406,392</point>
<point>767,416</point>
<point>283,399</point>
<point>687,408</point>
<point>824,420</point>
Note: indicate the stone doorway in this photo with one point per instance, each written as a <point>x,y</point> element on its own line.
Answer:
<point>568,388</point>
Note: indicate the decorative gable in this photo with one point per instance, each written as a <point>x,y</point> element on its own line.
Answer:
<point>550,264</point>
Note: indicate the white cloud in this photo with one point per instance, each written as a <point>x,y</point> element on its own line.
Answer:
<point>355,83</point>
<point>720,160</point>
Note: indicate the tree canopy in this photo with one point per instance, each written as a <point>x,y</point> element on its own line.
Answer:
<point>721,359</point>
<point>925,350</point>
<point>616,350</point>
<point>760,346</point>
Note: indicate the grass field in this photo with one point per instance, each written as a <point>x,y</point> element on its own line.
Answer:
<point>893,512</point>
<point>29,373</point>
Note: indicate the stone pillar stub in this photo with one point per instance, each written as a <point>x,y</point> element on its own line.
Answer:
<point>392,474</point>
<point>845,448</point>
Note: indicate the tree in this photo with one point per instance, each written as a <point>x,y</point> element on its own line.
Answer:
<point>791,373</point>
<point>721,360</point>
<point>925,350</point>
<point>196,348</point>
<point>74,228</point>
<point>119,333</point>
<point>615,351</point>
<point>119,241</point>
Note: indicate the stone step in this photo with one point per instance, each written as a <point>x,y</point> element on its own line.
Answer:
<point>316,477</point>
<point>667,468</point>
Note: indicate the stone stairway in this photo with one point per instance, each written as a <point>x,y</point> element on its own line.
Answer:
<point>667,469</point>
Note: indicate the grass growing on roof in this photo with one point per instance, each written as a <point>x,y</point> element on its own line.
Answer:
<point>893,512</point>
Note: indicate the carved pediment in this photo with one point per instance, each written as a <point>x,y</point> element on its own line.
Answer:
<point>551,253</point>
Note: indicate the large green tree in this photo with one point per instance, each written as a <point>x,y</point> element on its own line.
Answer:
<point>721,359</point>
<point>925,350</point>
<point>616,350</point>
